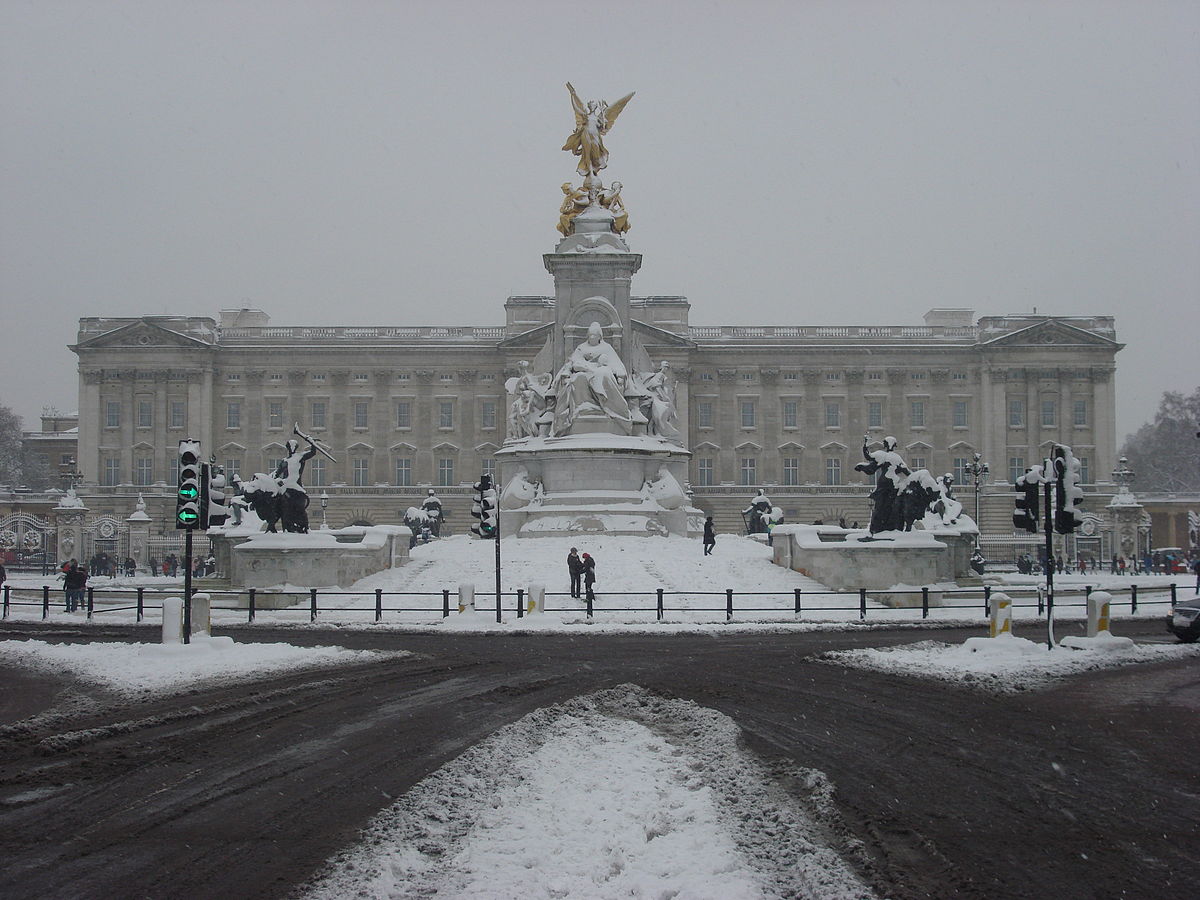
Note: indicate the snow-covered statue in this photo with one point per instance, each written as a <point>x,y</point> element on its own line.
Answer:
<point>664,490</point>
<point>592,122</point>
<point>140,506</point>
<point>592,381</point>
<point>575,201</point>
<point>890,473</point>
<point>520,491</point>
<point>611,200</point>
<point>918,493</point>
<point>658,402</point>
<point>527,410</point>
<point>946,507</point>
<point>432,507</point>
<point>759,513</point>
<point>293,503</point>
<point>263,494</point>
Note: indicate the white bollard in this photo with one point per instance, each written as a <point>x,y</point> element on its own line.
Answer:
<point>201,615</point>
<point>536,602</point>
<point>1098,607</point>
<point>172,626</point>
<point>1000,621</point>
<point>466,597</point>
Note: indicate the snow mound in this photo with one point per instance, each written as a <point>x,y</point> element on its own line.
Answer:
<point>1005,664</point>
<point>617,794</point>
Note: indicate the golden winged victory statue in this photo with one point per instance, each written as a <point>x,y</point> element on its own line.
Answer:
<point>592,122</point>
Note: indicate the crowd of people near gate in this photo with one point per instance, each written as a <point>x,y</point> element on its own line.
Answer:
<point>1150,563</point>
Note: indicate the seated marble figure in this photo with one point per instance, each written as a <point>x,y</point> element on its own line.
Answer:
<point>592,381</point>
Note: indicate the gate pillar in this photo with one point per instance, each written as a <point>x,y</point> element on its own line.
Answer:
<point>139,536</point>
<point>69,522</point>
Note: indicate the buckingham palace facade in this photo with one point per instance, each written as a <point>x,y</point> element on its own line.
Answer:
<point>406,408</point>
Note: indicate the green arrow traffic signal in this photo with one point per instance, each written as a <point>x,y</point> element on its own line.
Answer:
<point>189,492</point>
<point>187,516</point>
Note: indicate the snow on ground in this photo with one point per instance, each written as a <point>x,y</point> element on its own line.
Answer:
<point>629,571</point>
<point>1006,664</point>
<point>167,668</point>
<point>617,794</point>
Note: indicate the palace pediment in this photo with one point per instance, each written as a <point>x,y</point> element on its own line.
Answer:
<point>1052,333</point>
<point>144,335</point>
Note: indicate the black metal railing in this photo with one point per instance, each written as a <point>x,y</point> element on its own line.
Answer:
<point>800,602</point>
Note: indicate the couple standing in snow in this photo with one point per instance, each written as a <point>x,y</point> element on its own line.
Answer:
<point>581,568</point>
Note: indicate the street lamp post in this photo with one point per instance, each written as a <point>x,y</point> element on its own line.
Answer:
<point>979,471</point>
<point>324,506</point>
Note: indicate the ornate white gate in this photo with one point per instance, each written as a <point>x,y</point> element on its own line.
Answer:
<point>26,540</point>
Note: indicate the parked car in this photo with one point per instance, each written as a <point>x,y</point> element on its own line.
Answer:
<point>1184,621</point>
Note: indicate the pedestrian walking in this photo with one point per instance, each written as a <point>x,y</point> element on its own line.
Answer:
<point>3,576</point>
<point>710,536</point>
<point>74,584</point>
<point>589,576</point>
<point>154,565</point>
<point>1196,569</point>
<point>575,569</point>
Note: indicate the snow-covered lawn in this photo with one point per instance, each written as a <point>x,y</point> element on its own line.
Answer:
<point>1006,664</point>
<point>166,668</point>
<point>617,794</point>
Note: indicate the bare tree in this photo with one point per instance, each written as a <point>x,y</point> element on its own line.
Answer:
<point>11,454</point>
<point>1165,452</point>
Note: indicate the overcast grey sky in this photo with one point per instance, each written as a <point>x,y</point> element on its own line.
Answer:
<point>793,162</point>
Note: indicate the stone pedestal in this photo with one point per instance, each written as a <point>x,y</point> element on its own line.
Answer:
<point>911,558</point>
<point>139,539</point>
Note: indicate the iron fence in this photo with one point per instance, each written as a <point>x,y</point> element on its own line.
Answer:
<point>799,602</point>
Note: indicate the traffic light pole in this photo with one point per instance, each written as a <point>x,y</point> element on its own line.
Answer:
<point>187,586</point>
<point>497,560</point>
<point>1048,491</point>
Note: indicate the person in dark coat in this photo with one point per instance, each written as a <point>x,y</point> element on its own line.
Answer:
<point>589,575</point>
<point>710,536</point>
<point>575,568</point>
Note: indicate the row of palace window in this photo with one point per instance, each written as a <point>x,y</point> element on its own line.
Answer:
<point>834,413</point>
<point>318,414</point>
<point>358,377</point>
<point>316,471</point>
<point>835,470</point>
<point>1048,412</point>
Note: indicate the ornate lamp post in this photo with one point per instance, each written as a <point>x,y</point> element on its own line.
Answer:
<point>978,471</point>
<point>324,506</point>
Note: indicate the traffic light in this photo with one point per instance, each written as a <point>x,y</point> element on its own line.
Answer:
<point>1067,491</point>
<point>214,509</point>
<point>187,494</point>
<point>1025,515</point>
<point>484,508</point>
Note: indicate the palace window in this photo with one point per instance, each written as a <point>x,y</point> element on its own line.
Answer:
<point>112,471</point>
<point>318,376</point>
<point>916,413</point>
<point>961,474</point>
<point>403,414</point>
<point>361,408</point>
<point>112,415</point>
<point>315,473</point>
<point>233,466</point>
<point>445,472</point>
<point>318,414</point>
<point>404,473</point>
<point>959,413</point>
<point>1049,413</point>
<point>233,414</point>
<point>747,407</point>
<point>174,471</point>
<point>704,414</point>
<point>488,468</point>
<point>789,376</point>
<point>145,414</point>
<point>361,472</point>
<point>360,376</point>
<point>916,462</point>
<point>791,470</point>
<point>1016,413</point>
<point>275,414</point>
<point>1080,412</point>
<point>791,413</point>
<point>749,470</point>
<point>1085,472</point>
<point>445,376</point>
<point>446,414</point>
<point>918,376</point>
<point>143,471</point>
<point>833,376</point>
<point>833,415</point>
<point>704,472</point>
<point>178,414</point>
<point>487,414</point>
<point>874,376</point>
<point>874,413</point>
<point>833,470</point>
<point>1016,468</point>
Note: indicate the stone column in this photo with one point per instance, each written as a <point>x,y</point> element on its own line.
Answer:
<point>139,537</point>
<point>68,520</point>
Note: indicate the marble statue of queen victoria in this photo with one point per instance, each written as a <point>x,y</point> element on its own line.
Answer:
<point>592,381</point>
